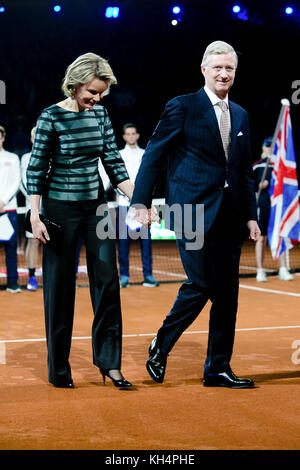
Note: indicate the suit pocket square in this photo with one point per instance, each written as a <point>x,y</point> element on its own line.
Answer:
<point>240,133</point>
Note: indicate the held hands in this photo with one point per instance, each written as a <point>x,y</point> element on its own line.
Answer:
<point>147,216</point>
<point>254,230</point>
<point>39,230</point>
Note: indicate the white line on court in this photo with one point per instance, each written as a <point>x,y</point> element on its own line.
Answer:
<point>2,353</point>
<point>260,289</point>
<point>271,291</point>
<point>34,340</point>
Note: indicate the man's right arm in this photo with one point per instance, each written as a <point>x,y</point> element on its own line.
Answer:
<point>168,128</point>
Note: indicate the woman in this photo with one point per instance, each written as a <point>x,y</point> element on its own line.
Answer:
<point>70,137</point>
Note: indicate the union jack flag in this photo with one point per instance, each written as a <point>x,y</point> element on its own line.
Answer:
<point>284,222</point>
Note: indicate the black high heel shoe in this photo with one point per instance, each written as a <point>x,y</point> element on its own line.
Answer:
<point>119,383</point>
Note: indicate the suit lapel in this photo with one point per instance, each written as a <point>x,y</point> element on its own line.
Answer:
<point>234,120</point>
<point>210,116</point>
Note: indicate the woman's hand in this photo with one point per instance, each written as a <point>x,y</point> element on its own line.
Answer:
<point>39,230</point>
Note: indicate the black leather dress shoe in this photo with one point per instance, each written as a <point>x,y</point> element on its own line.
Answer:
<point>64,383</point>
<point>156,363</point>
<point>226,379</point>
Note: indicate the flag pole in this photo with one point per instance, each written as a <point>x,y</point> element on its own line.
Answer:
<point>284,103</point>
<point>287,259</point>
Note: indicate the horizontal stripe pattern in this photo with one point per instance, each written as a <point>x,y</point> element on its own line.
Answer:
<point>67,147</point>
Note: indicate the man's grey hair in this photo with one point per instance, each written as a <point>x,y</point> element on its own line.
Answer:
<point>218,47</point>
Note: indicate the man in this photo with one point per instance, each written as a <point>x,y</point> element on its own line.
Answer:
<point>205,139</point>
<point>10,179</point>
<point>132,156</point>
<point>32,248</point>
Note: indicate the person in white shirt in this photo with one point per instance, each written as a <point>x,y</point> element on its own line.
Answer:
<point>132,156</point>
<point>32,248</point>
<point>10,178</point>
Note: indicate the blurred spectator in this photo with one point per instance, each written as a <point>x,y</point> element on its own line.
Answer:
<point>263,206</point>
<point>32,248</point>
<point>10,179</point>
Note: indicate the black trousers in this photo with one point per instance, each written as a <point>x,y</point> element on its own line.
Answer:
<point>213,274</point>
<point>59,266</point>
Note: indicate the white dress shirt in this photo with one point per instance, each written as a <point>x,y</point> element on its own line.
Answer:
<point>10,179</point>
<point>214,101</point>
<point>24,164</point>
<point>132,158</point>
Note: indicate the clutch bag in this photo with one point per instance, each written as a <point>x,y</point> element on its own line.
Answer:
<point>54,230</point>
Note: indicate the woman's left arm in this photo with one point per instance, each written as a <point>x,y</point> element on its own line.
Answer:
<point>127,188</point>
<point>111,158</point>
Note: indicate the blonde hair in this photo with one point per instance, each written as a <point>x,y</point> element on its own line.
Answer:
<point>218,47</point>
<point>32,134</point>
<point>2,130</point>
<point>84,69</point>
<point>33,131</point>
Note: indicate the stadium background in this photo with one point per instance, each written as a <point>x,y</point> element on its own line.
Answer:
<point>153,62</point>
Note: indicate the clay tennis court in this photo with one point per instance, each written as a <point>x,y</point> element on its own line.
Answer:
<point>179,414</point>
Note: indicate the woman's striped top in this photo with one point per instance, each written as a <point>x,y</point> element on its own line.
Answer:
<point>65,154</point>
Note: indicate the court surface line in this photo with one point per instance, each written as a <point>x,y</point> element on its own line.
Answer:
<point>262,328</point>
<point>260,289</point>
<point>271,291</point>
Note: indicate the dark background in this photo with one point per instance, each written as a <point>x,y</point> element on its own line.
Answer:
<point>152,60</point>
